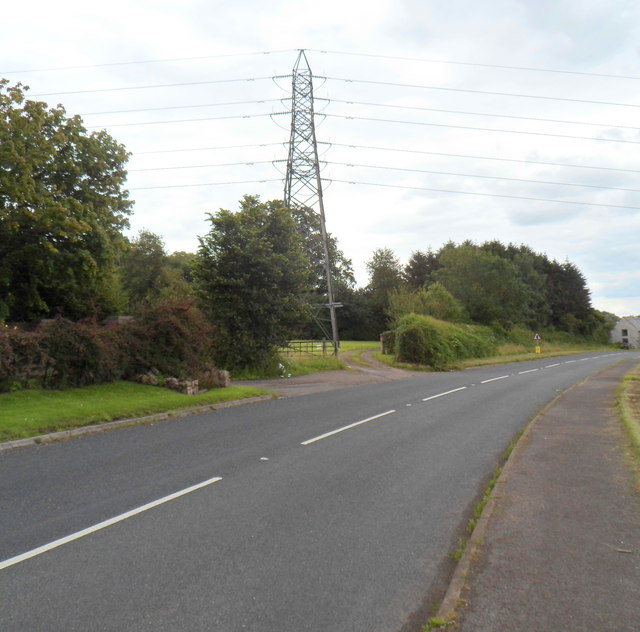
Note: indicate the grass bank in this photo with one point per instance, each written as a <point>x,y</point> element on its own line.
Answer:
<point>304,363</point>
<point>33,412</point>
<point>628,402</point>
<point>506,353</point>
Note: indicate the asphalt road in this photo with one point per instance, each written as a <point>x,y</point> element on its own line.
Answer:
<point>277,527</point>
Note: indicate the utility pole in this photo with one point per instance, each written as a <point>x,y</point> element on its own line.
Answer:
<point>303,185</point>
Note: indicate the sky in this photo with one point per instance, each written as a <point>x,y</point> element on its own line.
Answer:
<point>437,121</point>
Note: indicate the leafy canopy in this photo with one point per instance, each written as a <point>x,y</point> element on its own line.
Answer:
<point>250,271</point>
<point>62,211</point>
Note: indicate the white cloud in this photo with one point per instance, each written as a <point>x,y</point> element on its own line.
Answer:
<point>588,36</point>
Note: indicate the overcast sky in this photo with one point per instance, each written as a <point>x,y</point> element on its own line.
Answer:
<point>541,97</point>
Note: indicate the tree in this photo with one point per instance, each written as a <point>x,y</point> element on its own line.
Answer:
<point>568,296</point>
<point>308,225</point>
<point>435,301</point>
<point>141,269</point>
<point>420,268</point>
<point>385,276</point>
<point>149,275</point>
<point>62,211</point>
<point>487,286</point>
<point>250,271</point>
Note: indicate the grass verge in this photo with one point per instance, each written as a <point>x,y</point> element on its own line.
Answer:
<point>359,345</point>
<point>507,353</point>
<point>33,412</point>
<point>437,623</point>
<point>628,402</point>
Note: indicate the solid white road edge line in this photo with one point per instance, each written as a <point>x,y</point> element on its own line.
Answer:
<point>102,525</point>
<point>494,379</point>
<point>358,423</point>
<point>455,390</point>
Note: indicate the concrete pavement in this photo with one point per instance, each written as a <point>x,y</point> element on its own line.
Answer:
<point>559,545</point>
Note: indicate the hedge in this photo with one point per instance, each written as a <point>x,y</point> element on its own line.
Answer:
<point>173,338</point>
<point>425,340</point>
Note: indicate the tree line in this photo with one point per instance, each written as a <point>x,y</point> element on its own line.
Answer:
<point>258,274</point>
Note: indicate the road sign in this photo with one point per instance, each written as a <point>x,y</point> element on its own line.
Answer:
<point>536,337</point>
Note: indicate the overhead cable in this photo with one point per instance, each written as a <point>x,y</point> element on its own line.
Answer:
<point>223,164</point>
<point>146,61</point>
<point>204,184</point>
<point>480,129</point>
<point>193,120</point>
<point>475,157</point>
<point>485,177</point>
<point>161,85</point>
<point>510,116</point>
<point>498,195</point>
<point>183,107</point>
<point>477,64</point>
<point>469,91</point>
<point>187,149</point>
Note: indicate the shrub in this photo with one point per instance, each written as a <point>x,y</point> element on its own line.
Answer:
<point>418,341</point>
<point>22,359</point>
<point>172,337</point>
<point>76,357</point>
<point>388,341</point>
<point>425,340</point>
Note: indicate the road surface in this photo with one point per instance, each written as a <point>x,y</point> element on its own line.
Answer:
<point>334,511</point>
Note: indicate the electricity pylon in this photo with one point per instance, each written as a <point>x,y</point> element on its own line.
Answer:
<point>303,185</point>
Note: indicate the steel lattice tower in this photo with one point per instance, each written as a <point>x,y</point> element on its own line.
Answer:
<point>303,185</point>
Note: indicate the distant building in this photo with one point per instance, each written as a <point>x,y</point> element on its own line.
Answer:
<point>626,332</point>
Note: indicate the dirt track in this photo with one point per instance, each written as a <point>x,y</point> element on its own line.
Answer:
<point>367,370</point>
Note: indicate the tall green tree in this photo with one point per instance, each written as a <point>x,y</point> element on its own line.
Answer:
<point>142,269</point>
<point>62,211</point>
<point>250,271</point>
<point>434,301</point>
<point>418,272</point>
<point>385,276</point>
<point>149,275</point>
<point>308,225</point>
<point>488,286</point>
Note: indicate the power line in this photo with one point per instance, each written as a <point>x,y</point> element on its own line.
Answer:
<point>185,107</point>
<point>406,169</point>
<point>186,149</point>
<point>161,85</point>
<point>522,118</point>
<point>147,61</point>
<point>193,120</point>
<point>474,157</point>
<point>469,91</point>
<point>222,164</point>
<point>204,184</point>
<point>393,149</point>
<point>365,103</point>
<point>471,175</point>
<point>480,129</point>
<point>477,64</point>
<point>498,195</point>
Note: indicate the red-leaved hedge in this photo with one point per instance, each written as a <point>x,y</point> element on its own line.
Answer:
<point>173,337</point>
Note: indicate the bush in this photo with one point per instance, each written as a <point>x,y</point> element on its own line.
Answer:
<point>425,340</point>
<point>75,357</point>
<point>418,341</point>
<point>172,337</point>
<point>388,341</point>
<point>23,361</point>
